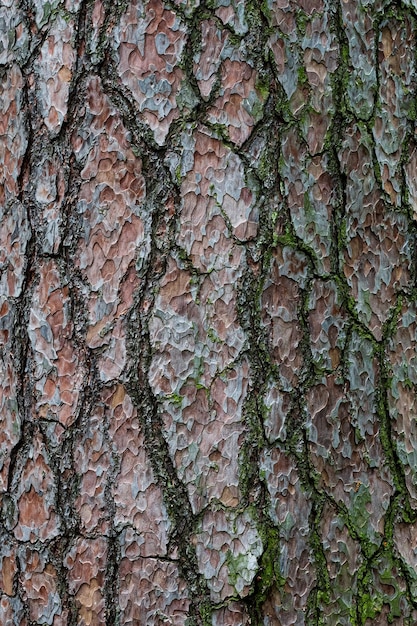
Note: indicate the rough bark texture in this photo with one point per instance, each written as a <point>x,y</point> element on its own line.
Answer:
<point>208,331</point>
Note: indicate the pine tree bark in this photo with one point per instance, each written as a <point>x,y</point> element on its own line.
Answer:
<point>208,330</point>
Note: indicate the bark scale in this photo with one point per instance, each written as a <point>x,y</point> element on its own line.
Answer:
<point>208,332</point>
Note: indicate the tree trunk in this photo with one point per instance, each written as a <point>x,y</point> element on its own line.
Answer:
<point>208,312</point>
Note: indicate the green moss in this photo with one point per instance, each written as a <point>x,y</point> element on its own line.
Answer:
<point>186,98</point>
<point>383,572</point>
<point>369,606</point>
<point>254,441</point>
<point>270,570</point>
<point>302,20</point>
<point>358,511</point>
<point>302,76</point>
<point>236,564</point>
<point>412,111</point>
<point>257,110</point>
<point>269,575</point>
<point>282,105</point>
<point>266,11</point>
<point>385,433</point>
<point>213,336</point>
<point>266,168</point>
<point>258,18</point>
<point>178,175</point>
<point>262,86</point>
<point>206,610</point>
<point>183,255</point>
<point>391,325</point>
<point>175,399</point>
<point>323,597</point>
<point>308,207</point>
<point>342,238</point>
<point>323,580</point>
<point>47,11</point>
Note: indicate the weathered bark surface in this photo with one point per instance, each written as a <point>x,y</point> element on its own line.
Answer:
<point>208,330</point>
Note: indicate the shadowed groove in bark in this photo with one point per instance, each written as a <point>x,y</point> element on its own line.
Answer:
<point>140,352</point>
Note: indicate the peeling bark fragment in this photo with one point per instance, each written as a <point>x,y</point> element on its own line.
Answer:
<point>310,194</point>
<point>208,447</point>
<point>92,463</point>
<point>8,567</point>
<point>240,100</point>
<point>44,11</point>
<point>217,203</point>
<point>386,616</point>
<point>411,179</point>
<point>137,497</point>
<point>149,43</point>
<point>377,253</point>
<point>113,359</point>
<point>10,419</point>
<point>58,366</point>
<point>344,558</point>
<point>278,404</point>
<point>110,334</point>
<point>321,59</point>
<point>202,401</point>
<point>234,614</point>
<point>232,13</point>
<point>387,601</point>
<point>109,200</point>
<point>396,84</point>
<point>97,22</point>
<point>35,496</point>
<point>405,539</point>
<point>13,132</point>
<point>215,48</point>
<point>193,342</point>
<point>72,5</point>
<point>228,546</point>
<point>12,611</point>
<point>287,55</point>
<point>402,356</point>
<point>362,79</point>
<point>306,59</point>
<point>50,193</point>
<point>188,6</point>
<point>363,377</point>
<point>114,226</point>
<point>127,474</point>
<point>151,592</point>
<point>327,322</point>
<point>54,69</point>
<point>86,564</point>
<point>15,234</point>
<point>39,582</point>
<point>14,34</point>
<point>288,65</point>
<point>290,509</point>
<point>342,462</point>
<point>280,303</point>
<point>240,103</point>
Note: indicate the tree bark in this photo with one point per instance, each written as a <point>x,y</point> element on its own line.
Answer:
<point>208,330</point>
